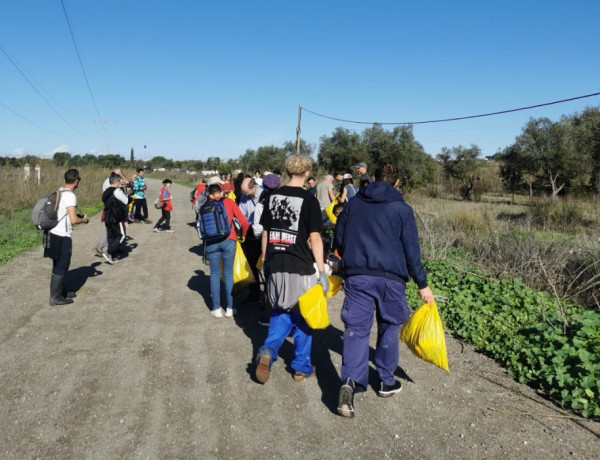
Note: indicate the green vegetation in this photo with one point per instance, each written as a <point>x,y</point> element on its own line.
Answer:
<point>511,241</point>
<point>550,346</point>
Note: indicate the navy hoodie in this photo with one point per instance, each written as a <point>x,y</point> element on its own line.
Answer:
<point>376,234</point>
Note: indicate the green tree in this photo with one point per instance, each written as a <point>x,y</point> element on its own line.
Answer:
<point>514,165</point>
<point>110,161</point>
<point>463,164</point>
<point>306,149</point>
<point>549,148</point>
<point>586,133</point>
<point>340,151</point>
<point>61,159</point>
<point>400,148</point>
<point>88,160</point>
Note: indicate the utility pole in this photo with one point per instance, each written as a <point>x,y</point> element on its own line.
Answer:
<point>298,129</point>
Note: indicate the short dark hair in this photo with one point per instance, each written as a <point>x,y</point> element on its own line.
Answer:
<point>387,173</point>
<point>214,188</point>
<point>114,177</point>
<point>140,169</point>
<point>72,175</point>
<point>167,181</point>
<point>310,178</point>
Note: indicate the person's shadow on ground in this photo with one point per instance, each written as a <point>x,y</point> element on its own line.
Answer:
<point>77,278</point>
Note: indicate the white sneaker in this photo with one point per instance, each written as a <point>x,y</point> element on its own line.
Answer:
<point>217,313</point>
<point>108,258</point>
<point>230,312</point>
<point>170,231</point>
<point>157,230</point>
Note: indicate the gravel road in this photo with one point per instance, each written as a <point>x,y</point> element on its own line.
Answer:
<point>138,368</point>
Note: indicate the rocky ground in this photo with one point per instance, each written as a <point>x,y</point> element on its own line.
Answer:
<point>138,368</point>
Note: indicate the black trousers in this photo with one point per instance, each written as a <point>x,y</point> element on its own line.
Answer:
<point>140,205</point>
<point>59,249</point>
<point>166,218</point>
<point>115,235</point>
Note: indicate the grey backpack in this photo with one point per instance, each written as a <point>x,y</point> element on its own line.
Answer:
<point>45,212</point>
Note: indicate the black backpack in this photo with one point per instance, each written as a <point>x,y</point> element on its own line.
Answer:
<point>115,211</point>
<point>45,212</point>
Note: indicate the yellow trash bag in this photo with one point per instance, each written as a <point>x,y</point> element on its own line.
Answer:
<point>313,308</point>
<point>329,211</point>
<point>335,284</point>
<point>423,333</point>
<point>242,273</point>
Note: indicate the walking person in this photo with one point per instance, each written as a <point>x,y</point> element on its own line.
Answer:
<point>115,214</point>
<point>291,220</point>
<point>223,250</point>
<point>103,241</point>
<point>140,206</point>
<point>166,206</point>
<point>251,246</point>
<point>58,244</point>
<point>376,237</point>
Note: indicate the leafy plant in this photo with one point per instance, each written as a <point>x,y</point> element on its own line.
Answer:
<point>553,348</point>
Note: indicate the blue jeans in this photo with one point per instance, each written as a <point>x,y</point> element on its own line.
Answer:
<point>369,297</point>
<point>280,325</point>
<point>215,252</point>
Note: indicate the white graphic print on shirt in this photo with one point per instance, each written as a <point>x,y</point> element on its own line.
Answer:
<point>285,212</point>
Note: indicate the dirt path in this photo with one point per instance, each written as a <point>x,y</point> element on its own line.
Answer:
<point>137,368</point>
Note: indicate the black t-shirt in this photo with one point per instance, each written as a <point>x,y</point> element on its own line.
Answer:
<point>290,215</point>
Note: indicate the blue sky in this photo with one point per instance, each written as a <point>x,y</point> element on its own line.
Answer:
<point>193,79</point>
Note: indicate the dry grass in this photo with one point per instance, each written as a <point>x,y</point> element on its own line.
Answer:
<point>551,246</point>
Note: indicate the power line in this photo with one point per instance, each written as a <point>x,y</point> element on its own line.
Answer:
<point>455,118</point>
<point>82,67</point>
<point>21,71</point>
<point>28,120</point>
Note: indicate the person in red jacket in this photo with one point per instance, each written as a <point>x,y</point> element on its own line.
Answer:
<point>166,206</point>
<point>224,251</point>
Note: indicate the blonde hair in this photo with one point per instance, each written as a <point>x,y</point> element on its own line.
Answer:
<point>296,165</point>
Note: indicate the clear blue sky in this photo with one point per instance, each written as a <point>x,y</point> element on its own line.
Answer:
<point>193,79</point>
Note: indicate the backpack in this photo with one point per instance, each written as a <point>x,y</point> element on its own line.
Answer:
<point>115,212</point>
<point>45,212</point>
<point>200,200</point>
<point>213,222</point>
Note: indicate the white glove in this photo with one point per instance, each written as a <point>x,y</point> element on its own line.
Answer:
<point>324,282</point>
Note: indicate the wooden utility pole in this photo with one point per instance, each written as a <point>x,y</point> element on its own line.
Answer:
<point>298,129</point>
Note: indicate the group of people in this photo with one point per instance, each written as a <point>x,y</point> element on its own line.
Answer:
<point>375,236</point>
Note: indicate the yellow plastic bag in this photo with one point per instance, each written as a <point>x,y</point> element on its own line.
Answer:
<point>335,284</point>
<point>329,211</point>
<point>423,333</point>
<point>313,308</point>
<point>242,273</point>
<point>231,195</point>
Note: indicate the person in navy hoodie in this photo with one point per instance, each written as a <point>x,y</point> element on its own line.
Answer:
<point>376,237</point>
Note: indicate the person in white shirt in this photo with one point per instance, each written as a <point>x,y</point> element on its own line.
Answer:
<point>251,245</point>
<point>58,245</point>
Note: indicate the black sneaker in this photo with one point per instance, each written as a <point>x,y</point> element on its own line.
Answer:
<point>385,391</point>
<point>346,399</point>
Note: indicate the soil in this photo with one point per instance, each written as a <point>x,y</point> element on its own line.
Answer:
<point>138,368</point>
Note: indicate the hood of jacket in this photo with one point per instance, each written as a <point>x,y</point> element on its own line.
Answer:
<point>380,192</point>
